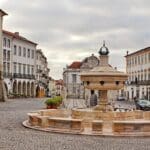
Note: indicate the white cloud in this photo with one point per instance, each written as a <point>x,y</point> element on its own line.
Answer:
<point>69,30</point>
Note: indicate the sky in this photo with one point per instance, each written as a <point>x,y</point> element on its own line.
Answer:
<point>70,30</point>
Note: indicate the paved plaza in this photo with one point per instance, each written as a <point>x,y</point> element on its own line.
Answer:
<point>13,136</point>
<point>74,103</point>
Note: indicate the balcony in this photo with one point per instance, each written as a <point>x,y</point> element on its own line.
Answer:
<point>143,82</point>
<point>39,71</point>
<point>23,76</point>
<point>7,75</point>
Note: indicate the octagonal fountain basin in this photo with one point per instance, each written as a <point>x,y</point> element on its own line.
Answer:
<point>90,122</point>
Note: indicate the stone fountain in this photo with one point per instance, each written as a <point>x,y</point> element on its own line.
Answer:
<point>100,120</point>
<point>104,78</point>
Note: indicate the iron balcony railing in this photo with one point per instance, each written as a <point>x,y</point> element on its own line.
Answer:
<point>23,76</point>
<point>143,82</point>
<point>7,75</point>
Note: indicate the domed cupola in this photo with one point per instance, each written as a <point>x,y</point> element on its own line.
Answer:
<point>104,50</point>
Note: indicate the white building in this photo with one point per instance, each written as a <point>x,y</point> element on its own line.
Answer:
<point>71,76</point>
<point>19,64</point>
<point>138,69</point>
<point>25,69</point>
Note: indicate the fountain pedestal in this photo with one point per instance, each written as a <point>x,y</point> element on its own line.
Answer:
<point>103,103</point>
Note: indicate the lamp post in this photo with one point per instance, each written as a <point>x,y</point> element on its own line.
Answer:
<point>3,95</point>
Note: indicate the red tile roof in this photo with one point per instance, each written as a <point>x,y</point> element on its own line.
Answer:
<point>75,65</point>
<point>17,36</point>
<point>59,82</point>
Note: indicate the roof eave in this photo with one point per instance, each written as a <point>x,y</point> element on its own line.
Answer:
<point>3,12</point>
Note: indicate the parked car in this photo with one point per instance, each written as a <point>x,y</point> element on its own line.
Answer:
<point>143,104</point>
<point>121,98</point>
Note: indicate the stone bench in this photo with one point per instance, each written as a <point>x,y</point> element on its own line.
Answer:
<point>131,126</point>
<point>97,125</point>
<point>55,113</point>
<point>33,120</point>
<point>65,123</point>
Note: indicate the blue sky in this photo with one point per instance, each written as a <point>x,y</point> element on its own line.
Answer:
<point>70,30</point>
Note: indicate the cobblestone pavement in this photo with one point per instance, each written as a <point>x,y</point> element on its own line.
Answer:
<point>13,136</point>
<point>74,103</point>
<point>125,104</point>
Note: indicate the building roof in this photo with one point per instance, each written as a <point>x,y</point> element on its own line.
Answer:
<point>3,12</point>
<point>59,82</point>
<point>17,36</point>
<point>75,65</point>
<point>139,51</point>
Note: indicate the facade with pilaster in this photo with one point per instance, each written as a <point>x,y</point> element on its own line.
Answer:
<point>21,66</point>
<point>138,69</point>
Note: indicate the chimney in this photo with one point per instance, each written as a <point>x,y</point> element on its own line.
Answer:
<point>127,53</point>
<point>17,33</point>
<point>115,68</point>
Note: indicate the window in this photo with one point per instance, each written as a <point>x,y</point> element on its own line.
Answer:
<point>8,67</point>
<point>32,53</point>
<point>145,75</point>
<point>19,68</point>
<point>135,60</point>
<point>145,58</point>
<point>37,56</point>
<point>74,78</point>
<point>74,90</point>
<point>24,69</point>
<point>4,54</point>
<point>19,50</point>
<point>4,42</point>
<point>28,69</point>
<point>37,68</point>
<point>139,60</point>
<point>24,52</point>
<point>32,70</point>
<point>142,59</point>
<point>8,43</point>
<point>28,53</point>
<point>8,56</point>
<point>4,67</point>
<point>15,49</point>
<point>15,67</point>
<point>132,61</point>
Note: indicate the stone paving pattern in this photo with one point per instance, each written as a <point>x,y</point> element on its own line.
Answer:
<point>13,136</point>
<point>74,103</point>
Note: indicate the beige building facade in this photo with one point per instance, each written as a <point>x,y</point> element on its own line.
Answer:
<point>138,69</point>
